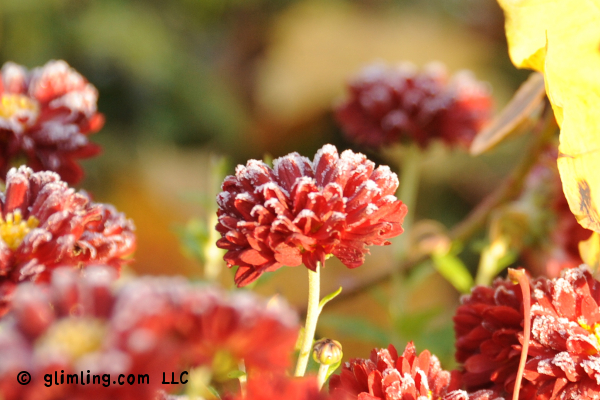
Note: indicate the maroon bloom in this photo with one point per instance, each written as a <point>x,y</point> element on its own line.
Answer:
<point>45,224</point>
<point>487,326</point>
<point>399,104</point>
<point>45,117</point>
<point>564,348</point>
<point>81,321</point>
<point>302,212</point>
<point>389,376</point>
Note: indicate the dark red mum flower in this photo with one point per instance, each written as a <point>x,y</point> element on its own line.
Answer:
<point>565,331</point>
<point>45,117</point>
<point>487,325</point>
<point>302,212</point>
<point>45,224</point>
<point>387,376</point>
<point>147,327</point>
<point>392,104</point>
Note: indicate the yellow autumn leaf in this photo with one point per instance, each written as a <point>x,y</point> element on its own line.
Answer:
<point>561,38</point>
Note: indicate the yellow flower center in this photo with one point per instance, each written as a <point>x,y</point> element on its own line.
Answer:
<point>22,107</point>
<point>14,229</point>
<point>594,330</point>
<point>74,336</point>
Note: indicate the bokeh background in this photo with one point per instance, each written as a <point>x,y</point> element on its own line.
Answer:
<point>190,88</point>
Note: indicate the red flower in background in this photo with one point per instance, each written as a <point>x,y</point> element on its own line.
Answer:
<point>302,211</point>
<point>487,326</point>
<point>45,224</point>
<point>45,117</point>
<point>148,326</point>
<point>396,104</point>
<point>389,376</point>
<point>564,348</point>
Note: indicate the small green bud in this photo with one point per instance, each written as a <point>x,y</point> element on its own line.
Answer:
<point>327,351</point>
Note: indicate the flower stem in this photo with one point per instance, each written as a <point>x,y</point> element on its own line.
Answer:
<point>407,192</point>
<point>322,375</point>
<point>312,316</point>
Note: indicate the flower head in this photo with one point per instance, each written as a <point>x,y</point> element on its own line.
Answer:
<point>389,376</point>
<point>392,104</point>
<point>487,325</point>
<point>45,117</point>
<point>564,348</point>
<point>302,212</point>
<point>146,327</point>
<point>45,224</point>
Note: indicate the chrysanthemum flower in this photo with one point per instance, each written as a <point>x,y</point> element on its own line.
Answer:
<point>45,224</point>
<point>302,212</point>
<point>399,104</point>
<point>147,326</point>
<point>487,325</point>
<point>565,331</point>
<point>45,117</point>
<point>389,376</point>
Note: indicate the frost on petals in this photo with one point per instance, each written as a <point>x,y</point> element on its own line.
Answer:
<point>46,116</point>
<point>385,375</point>
<point>45,224</point>
<point>487,325</point>
<point>302,212</point>
<point>565,333</point>
<point>397,104</point>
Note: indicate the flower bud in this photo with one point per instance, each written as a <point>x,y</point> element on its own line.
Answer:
<point>327,351</point>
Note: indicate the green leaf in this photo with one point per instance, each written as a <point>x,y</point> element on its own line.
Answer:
<point>332,369</point>
<point>328,298</point>
<point>453,269</point>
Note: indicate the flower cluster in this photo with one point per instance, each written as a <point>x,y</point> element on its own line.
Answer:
<point>407,377</point>
<point>563,359</point>
<point>45,117</point>
<point>144,327</point>
<point>302,212</point>
<point>392,104</point>
<point>45,224</point>
<point>565,327</point>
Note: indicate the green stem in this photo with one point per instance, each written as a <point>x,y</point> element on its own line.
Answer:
<point>322,375</point>
<point>407,192</point>
<point>312,316</point>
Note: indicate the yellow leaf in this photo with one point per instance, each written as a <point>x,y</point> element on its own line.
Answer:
<point>561,38</point>
<point>590,251</point>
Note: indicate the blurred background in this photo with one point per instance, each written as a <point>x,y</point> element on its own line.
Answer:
<point>190,88</point>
